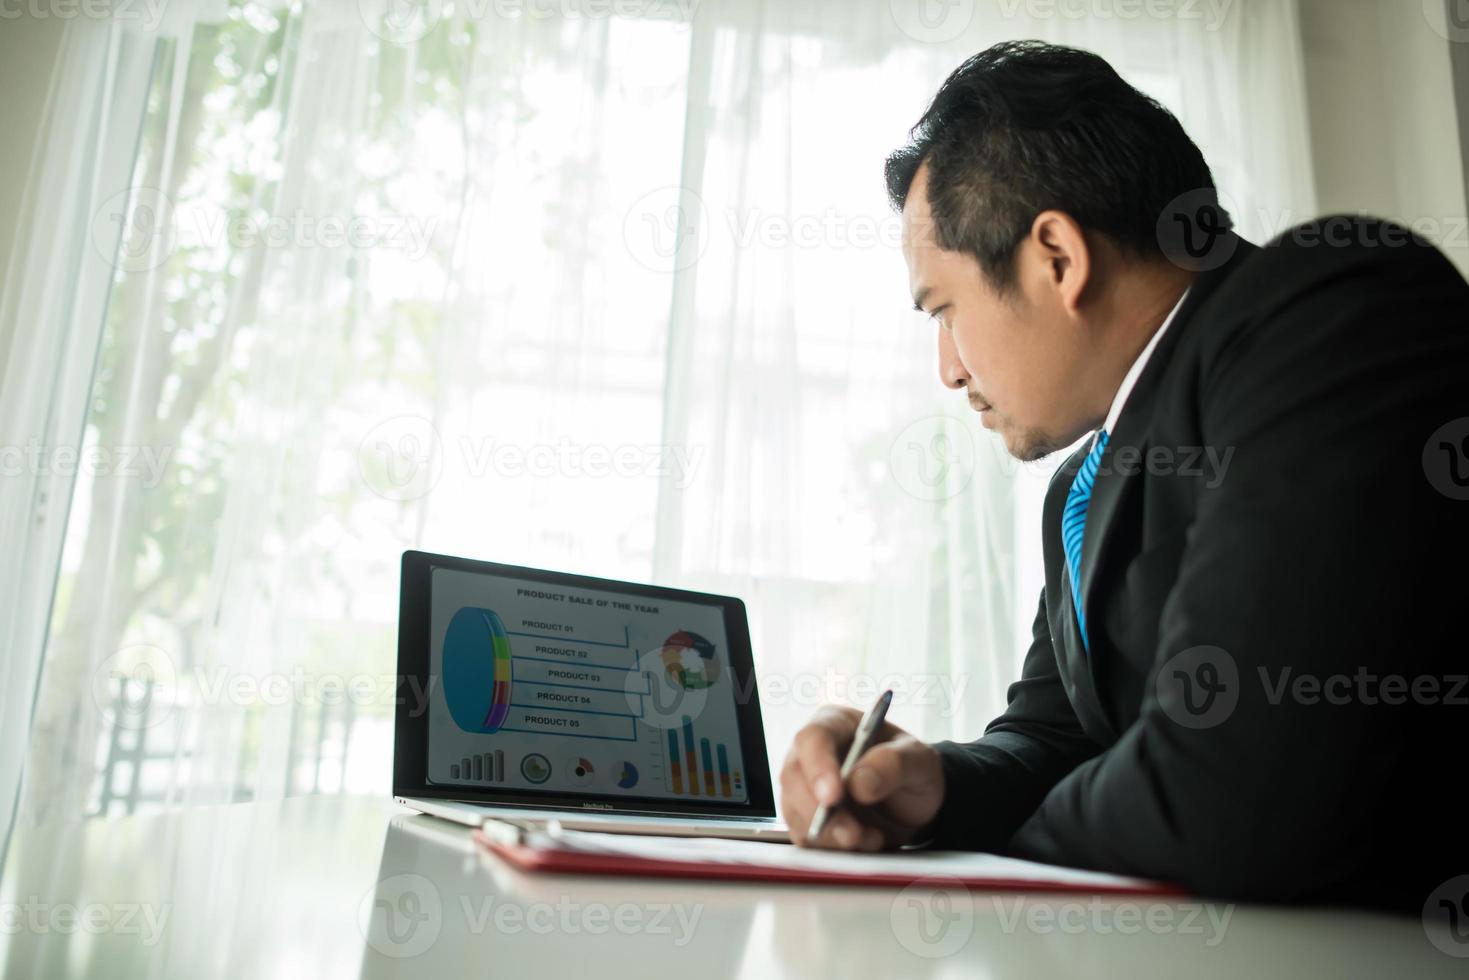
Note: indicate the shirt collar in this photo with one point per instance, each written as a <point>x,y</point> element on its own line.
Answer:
<point>1129,380</point>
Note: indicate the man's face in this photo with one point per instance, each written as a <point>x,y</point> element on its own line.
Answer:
<point>1018,356</point>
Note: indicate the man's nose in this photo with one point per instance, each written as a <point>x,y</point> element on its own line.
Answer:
<point>951,370</point>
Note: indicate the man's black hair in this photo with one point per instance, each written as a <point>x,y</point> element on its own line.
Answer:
<point>1025,127</point>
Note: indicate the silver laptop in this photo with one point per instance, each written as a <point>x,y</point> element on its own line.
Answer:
<point>533,695</point>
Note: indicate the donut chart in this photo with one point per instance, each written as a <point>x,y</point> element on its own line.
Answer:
<point>477,670</point>
<point>702,673</point>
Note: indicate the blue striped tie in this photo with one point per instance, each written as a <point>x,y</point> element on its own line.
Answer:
<point>1073,526</point>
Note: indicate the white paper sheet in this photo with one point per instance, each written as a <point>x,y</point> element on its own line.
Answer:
<point>965,865</point>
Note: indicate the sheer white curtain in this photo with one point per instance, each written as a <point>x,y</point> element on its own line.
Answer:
<point>617,294</point>
<point>52,307</point>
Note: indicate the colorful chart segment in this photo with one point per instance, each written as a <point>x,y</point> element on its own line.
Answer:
<point>477,670</point>
<point>702,673</point>
<point>684,773</point>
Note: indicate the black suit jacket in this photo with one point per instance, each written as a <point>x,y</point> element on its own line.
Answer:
<point>1319,541</point>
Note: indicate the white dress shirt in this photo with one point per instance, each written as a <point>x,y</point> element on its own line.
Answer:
<point>1129,380</point>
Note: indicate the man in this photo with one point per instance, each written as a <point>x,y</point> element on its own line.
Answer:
<point>1247,669</point>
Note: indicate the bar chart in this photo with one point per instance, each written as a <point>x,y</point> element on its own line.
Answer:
<point>692,765</point>
<point>483,767</point>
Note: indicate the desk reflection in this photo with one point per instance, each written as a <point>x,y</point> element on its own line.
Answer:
<point>442,906</point>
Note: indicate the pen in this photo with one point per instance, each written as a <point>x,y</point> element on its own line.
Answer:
<point>861,742</point>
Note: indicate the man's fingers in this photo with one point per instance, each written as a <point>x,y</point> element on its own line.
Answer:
<point>855,828</point>
<point>816,756</point>
<point>797,805</point>
<point>882,770</point>
<point>816,748</point>
<point>894,788</point>
<point>841,831</point>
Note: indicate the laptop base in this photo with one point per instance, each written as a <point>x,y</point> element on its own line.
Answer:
<point>731,828</point>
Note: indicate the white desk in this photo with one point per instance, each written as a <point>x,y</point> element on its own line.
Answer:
<point>276,890</point>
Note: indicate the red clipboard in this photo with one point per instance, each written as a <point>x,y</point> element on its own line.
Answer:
<point>557,860</point>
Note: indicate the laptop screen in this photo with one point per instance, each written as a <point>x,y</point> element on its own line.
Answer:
<point>546,688</point>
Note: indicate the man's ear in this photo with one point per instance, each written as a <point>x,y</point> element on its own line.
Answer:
<point>1061,244</point>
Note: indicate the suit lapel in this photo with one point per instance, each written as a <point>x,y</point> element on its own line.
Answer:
<point>1134,428</point>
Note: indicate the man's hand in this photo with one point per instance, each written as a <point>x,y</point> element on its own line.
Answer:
<point>894,791</point>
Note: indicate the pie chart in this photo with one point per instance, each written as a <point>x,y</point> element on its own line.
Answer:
<point>689,660</point>
<point>582,770</point>
<point>536,768</point>
<point>477,670</point>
